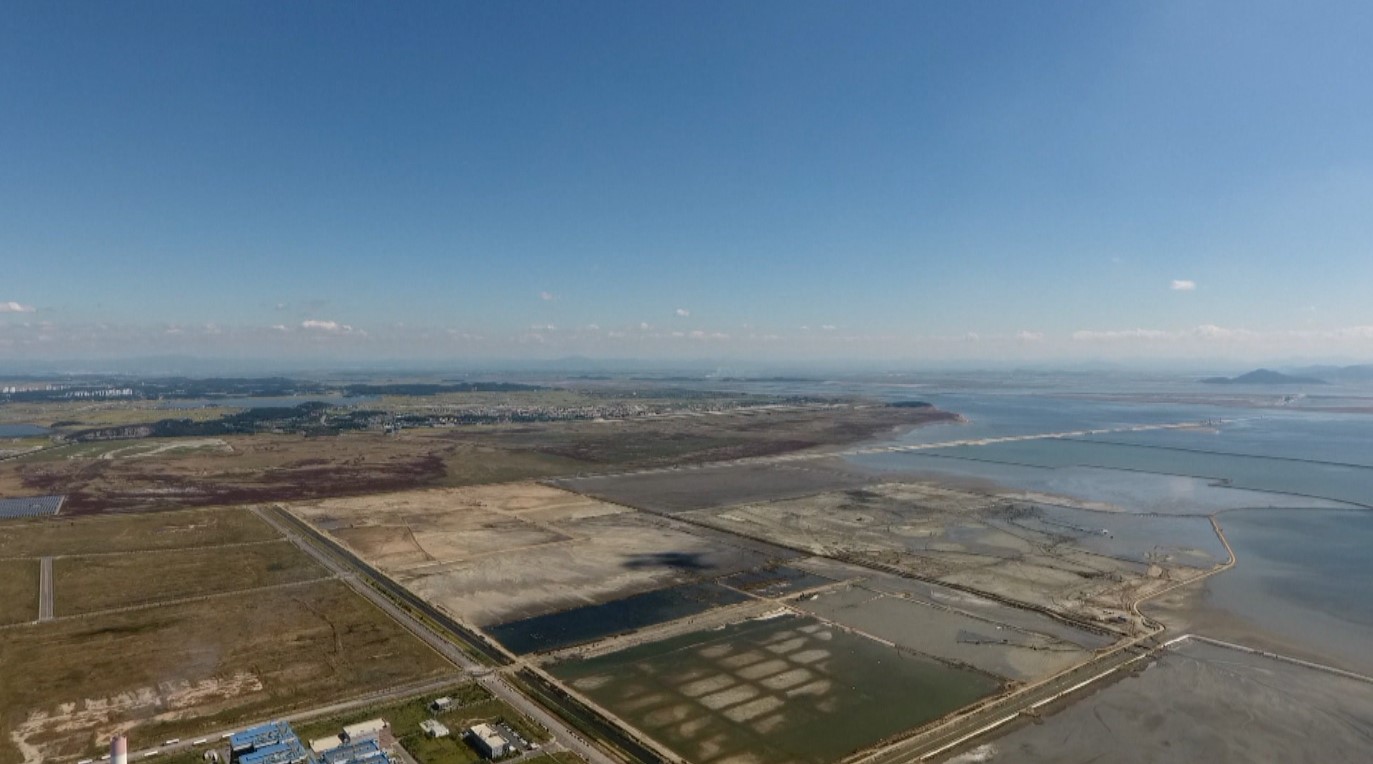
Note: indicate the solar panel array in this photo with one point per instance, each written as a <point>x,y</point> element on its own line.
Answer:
<point>30,506</point>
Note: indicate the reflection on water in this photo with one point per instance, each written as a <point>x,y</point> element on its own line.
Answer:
<point>21,430</point>
<point>1304,575</point>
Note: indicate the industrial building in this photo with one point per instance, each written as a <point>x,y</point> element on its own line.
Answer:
<point>488,741</point>
<point>271,743</point>
<point>363,751</point>
<point>434,728</point>
<point>361,730</point>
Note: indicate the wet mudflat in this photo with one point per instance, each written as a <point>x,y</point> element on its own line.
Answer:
<point>774,580</point>
<point>997,648</point>
<point>1300,586</point>
<point>784,689</point>
<point>1200,703</point>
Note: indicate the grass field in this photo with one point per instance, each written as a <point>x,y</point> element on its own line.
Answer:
<point>89,584</point>
<point>18,591</point>
<point>179,670</point>
<point>182,529</point>
<point>473,705</point>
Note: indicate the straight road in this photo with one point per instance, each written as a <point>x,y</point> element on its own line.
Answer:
<point>563,737</point>
<point>45,595</point>
<point>216,739</point>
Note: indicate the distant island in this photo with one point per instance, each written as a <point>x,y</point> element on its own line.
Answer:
<point>1265,377</point>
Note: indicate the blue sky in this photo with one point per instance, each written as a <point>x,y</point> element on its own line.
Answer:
<point>754,180</point>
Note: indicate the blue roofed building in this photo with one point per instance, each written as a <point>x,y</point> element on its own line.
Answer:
<point>271,743</point>
<point>365,751</point>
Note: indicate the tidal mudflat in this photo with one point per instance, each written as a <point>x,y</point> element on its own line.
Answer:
<point>1200,702</point>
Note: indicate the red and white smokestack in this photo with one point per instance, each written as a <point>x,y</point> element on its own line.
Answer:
<point>119,750</point>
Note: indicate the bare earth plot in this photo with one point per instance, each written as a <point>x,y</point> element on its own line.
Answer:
<point>493,554</point>
<point>1201,702</point>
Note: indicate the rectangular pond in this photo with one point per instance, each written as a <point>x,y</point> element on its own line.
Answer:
<point>783,689</point>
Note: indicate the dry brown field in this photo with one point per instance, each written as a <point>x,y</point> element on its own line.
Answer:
<point>91,584</point>
<point>155,673</point>
<point>62,535</point>
<point>18,590</point>
<point>124,475</point>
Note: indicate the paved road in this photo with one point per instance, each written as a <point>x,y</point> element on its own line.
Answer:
<point>563,737</point>
<point>45,595</point>
<point>214,738</point>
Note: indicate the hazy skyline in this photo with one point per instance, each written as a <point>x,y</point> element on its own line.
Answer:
<point>766,181</point>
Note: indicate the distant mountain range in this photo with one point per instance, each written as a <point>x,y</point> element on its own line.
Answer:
<point>1265,377</point>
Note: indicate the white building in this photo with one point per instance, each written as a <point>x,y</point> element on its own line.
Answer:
<point>488,741</point>
<point>434,728</point>
<point>369,728</point>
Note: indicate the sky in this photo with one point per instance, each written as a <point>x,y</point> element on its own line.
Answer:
<point>921,181</point>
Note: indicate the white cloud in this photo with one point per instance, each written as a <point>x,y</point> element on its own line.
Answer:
<point>328,327</point>
<point>1085,335</point>
<point>1028,336</point>
<point>644,326</point>
<point>278,327</point>
<point>828,327</point>
<point>547,296</point>
<point>1183,285</point>
<point>683,312</point>
<point>543,328</point>
<point>15,307</point>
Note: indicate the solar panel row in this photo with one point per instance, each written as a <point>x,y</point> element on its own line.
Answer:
<point>30,506</point>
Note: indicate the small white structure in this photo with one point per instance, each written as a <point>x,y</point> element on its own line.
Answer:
<point>369,728</point>
<point>434,728</point>
<point>488,741</point>
<point>320,745</point>
<point>442,704</point>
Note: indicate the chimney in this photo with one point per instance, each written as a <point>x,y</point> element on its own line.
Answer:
<point>119,750</point>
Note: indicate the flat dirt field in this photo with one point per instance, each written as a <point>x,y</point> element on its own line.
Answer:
<point>492,554</point>
<point>62,535</point>
<point>1200,703</point>
<point>90,584</point>
<point>178,670</point>
<point>18,590</point>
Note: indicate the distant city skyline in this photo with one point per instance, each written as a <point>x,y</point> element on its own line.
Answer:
<point>772,181</point>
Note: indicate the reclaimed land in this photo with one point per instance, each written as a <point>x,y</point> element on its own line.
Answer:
<point>63,535</point>
<point>236,469</point>
<point>472,704</point>
<point>90,584</point>
<point>176,670</point>
<point>18,591</point>
<point>784,689</point>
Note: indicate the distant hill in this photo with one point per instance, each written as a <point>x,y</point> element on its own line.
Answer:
<point>1265,377</point>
